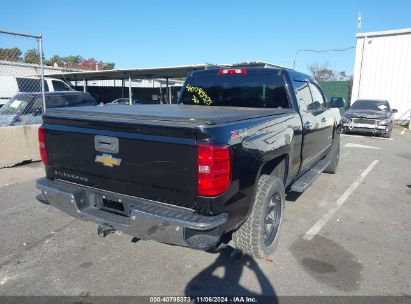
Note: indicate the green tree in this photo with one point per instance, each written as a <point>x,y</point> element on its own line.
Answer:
<point>52,60</point>
<point>109,66</point>
<point>32,56</point>
<point>10,54</point>
<point>73,59</point>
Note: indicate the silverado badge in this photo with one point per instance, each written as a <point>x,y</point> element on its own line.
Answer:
<point>108,160</point>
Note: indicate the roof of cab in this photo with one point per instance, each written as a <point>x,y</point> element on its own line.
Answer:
<point>55,93</point>
<point>268,69</point>
<point>250,70</point>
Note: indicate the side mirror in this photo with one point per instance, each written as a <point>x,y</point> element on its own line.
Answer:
<point>337,102</point>
<point>393,111</point>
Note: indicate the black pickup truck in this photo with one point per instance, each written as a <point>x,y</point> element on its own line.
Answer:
<point>210,169</point>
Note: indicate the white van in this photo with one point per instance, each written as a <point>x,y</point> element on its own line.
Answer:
<point>11,85</point>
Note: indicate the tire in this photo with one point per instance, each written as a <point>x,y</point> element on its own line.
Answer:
<point>334,155</point>
<point>258,235</point>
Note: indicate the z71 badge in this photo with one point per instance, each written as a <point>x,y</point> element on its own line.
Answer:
<point>239,133</point>
<point>108,160</point>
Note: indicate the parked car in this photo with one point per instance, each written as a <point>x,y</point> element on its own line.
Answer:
<point>11,85</point>
<point>126,101</point>
<point>371,116</point>
<point>27,108</point>
<point>198,173</point>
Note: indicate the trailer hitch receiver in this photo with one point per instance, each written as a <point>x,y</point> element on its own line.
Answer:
<point>104,230</point>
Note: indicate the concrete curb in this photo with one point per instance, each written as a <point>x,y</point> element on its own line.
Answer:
<point>18,144</point>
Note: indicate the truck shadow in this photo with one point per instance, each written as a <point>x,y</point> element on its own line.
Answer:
<point>232,262</point>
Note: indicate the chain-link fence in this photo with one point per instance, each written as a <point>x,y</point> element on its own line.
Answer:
<point>22,84</point>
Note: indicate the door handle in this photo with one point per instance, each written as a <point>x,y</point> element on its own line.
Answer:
<point>106,144</point>
<point>307,125</point>
<point>323,119</point>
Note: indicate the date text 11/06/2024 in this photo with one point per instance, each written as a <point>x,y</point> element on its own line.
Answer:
<point>206,299</point>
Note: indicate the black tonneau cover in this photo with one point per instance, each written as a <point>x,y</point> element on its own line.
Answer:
<point>163,113</point>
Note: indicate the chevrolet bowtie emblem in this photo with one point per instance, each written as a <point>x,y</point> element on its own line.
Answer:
<point>108,160</point>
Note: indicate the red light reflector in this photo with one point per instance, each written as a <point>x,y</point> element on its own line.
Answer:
<point>232,71</point>
<point>42,145</point>
<point>213,170</point>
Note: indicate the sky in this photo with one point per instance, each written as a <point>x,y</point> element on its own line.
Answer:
<point>167,33</point>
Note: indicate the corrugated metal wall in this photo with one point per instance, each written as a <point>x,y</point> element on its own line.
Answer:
<point>383,68</point>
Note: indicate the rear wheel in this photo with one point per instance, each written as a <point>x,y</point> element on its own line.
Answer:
<point>334,154</point>
<point>258,236</point>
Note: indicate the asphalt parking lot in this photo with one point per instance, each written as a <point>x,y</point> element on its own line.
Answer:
<point>348,234</point>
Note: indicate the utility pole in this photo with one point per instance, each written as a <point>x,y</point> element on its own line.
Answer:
<point>359,22</point>
<point>40,48</point>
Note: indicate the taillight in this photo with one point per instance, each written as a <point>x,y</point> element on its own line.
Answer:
<point>213,170</point>
<point>42,145</point>
<point>232,71</point>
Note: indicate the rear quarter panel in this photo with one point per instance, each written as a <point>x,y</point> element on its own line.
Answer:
<point>253,144</point>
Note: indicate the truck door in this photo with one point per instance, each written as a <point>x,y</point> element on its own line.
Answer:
<point>312,144</point>
<point>325,116</point>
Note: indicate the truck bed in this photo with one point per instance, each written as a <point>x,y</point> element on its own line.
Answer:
<point>156,146</point>
<point>164,114</point>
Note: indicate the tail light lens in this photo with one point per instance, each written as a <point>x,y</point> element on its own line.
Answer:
<point>213,170</point>
<point>42,144</point>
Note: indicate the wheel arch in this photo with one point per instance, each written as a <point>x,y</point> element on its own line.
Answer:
<point>277,166</point>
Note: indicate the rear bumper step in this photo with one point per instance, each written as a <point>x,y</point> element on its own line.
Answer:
<point>142,218</point>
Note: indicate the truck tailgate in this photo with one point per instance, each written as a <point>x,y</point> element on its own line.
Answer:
<point>159,167</point>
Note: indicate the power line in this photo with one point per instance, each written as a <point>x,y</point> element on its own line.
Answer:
<point>321,51</point>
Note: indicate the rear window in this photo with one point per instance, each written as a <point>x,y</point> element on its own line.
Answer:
<point>69,100</point>
<point>82,100</point>
<point>60,86</point>
<point>249,90</point>
<point>63,100</point>
<point>30,85</point>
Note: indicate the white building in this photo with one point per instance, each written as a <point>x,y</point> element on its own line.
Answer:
<point>382,69</point>
<point>28,69</point>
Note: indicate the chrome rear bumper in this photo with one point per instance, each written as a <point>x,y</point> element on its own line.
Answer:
<point>142,218</point>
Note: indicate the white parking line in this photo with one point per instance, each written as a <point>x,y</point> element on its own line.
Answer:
<point>351,145</point>
<point>310,234</point>
<point>382,138</point>
<point>352,135</point>
<point>361,136</point>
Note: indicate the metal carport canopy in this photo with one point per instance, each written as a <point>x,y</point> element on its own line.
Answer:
<point>147,73</point>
